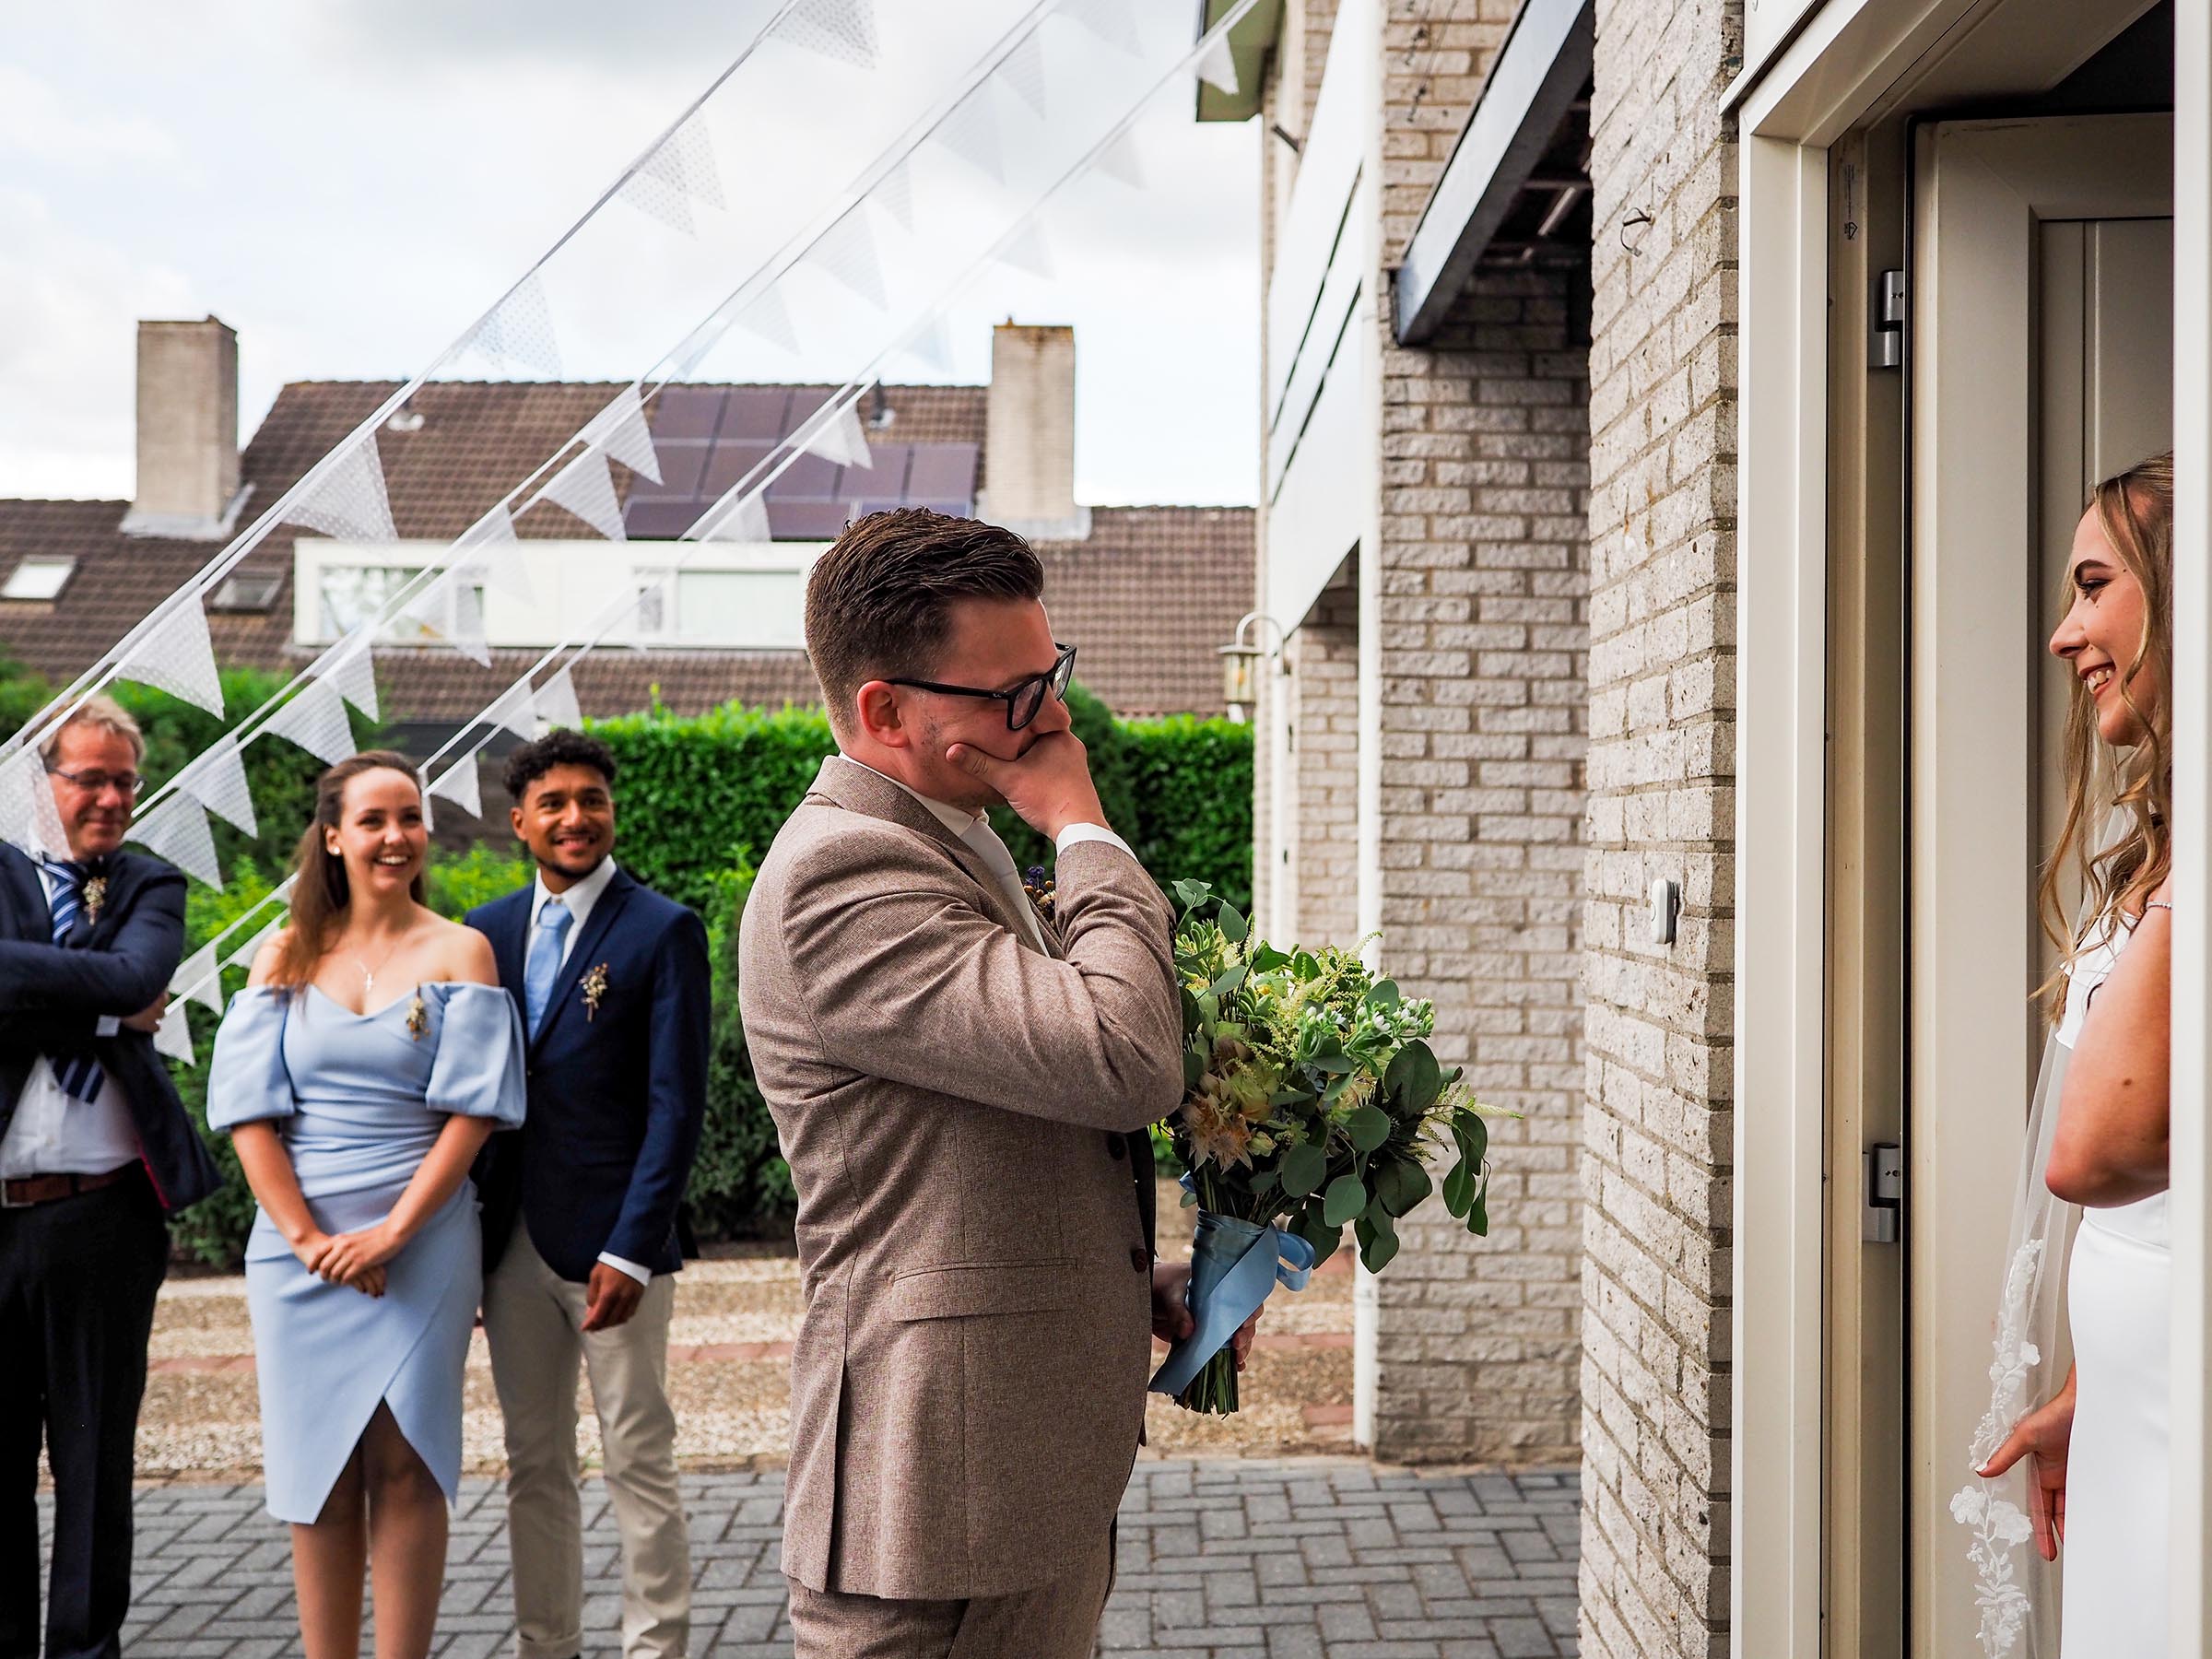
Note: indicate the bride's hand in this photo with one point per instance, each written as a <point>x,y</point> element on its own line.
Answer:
<point>2044,1434</point>
<point>352,1255</point>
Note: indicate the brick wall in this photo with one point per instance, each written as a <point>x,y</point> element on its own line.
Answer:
<point>1324,843</point>
<point>1483,641</point>
<point>1657,1161</point>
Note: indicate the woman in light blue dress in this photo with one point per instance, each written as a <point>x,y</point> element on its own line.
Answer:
<point>360,1073</point>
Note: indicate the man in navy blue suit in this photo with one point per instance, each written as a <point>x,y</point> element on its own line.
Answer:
<point>580,1204</point>
<point>95,1149</point>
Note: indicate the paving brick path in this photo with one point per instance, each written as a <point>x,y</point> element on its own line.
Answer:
<point>1221,1559</point>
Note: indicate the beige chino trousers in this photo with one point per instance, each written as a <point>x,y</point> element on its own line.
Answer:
<point>532,1320</point>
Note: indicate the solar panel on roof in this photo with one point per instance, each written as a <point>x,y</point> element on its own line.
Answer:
<point>658,520</point>
<point>942,471</point>
<point>806,521</point>
<point>681,465</point>
<point>807,479</point>
<point>728,463</point>
<point>688,411</point>
<point>754,414</point>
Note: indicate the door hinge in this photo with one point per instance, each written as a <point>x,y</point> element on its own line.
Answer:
<point>1878,1223</point>
<point>1886,321</point>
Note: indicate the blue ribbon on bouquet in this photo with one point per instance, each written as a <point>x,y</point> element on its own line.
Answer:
<point>1234,1264</point>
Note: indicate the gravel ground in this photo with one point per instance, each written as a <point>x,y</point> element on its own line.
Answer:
<point>729,1374</point>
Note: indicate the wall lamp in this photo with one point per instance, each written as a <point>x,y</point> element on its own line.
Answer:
<point>1241,661</point>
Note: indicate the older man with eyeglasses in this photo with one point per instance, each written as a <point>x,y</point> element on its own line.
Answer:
<point>95,1149</point>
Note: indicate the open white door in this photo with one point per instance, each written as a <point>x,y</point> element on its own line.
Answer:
<point>2042,359</point>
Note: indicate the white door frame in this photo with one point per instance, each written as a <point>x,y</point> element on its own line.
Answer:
<point>1851,60</point>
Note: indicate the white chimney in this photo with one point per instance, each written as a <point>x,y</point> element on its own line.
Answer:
<point>1030,433</point>
<point>187,431</point>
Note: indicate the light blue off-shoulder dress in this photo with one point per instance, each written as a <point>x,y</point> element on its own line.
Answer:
<point>359,1099</point>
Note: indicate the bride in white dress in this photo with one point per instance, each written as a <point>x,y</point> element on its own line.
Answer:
<point>2100,1446</point>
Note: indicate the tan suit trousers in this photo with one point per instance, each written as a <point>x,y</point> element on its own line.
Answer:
<point>533,1319</point>
<point>1055,1620</point>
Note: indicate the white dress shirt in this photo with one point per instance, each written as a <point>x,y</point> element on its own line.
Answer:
<point>579,899</point>
<point>971,828</point>
<point>54,1133</point>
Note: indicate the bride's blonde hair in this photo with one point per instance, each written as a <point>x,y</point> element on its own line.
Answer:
<point>2131,789</point>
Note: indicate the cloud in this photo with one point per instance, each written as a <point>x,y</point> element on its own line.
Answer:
<point>67,357</point>
<point>37,121</point>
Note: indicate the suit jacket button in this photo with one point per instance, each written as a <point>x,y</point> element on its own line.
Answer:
<point>1137,1257</point>
<point>1114,1145</point>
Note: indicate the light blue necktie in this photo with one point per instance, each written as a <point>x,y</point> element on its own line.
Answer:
<point>543,964</point>
<point>80,1078</point>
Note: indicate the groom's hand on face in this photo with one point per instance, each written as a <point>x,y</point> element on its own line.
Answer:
<point>612,1297</point>
<point>1049,787</point>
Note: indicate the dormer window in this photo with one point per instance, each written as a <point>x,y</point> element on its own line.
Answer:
<point>37,578</point>
<point>251,592</point>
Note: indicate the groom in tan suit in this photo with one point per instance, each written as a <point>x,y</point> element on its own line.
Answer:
<point>961,1086</point>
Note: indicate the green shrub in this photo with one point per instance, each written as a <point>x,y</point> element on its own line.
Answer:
<point>740,1184</point>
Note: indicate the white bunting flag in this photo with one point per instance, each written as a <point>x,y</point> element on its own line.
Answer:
<point>174,1035</point>
<point>466,634</point>
<point>498,554</point>
<point>1122,160</point>
<point>587,490</point>
<point>970,131</point>
<point>1023,69</point>
<point>216,780</point>
<point>517,333</point>
<point>177,829</point>
<point>243,956</point>
<point>514,709</point>
<point>838,436</point>
<point>768,318</point>
<point>460,785</point>
<point>1217,68</point>
<point>351,668</point>
<point>1108,20</point>
<point>894,192</point>
<point>932,343</point>
<point>556,704</point>
<point>1028,250</point>
<point>177,657</point>
<point>348,500</point>
<point>199,978</point>
<point>847,252</point>
<point>28,817</point>
<point>843,29</point>
<point>315,720</point>
<point>620,429</point>
<point>680,170</point>
<point>742,519</point>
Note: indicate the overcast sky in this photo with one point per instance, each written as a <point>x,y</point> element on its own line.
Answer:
<point>347,183</point>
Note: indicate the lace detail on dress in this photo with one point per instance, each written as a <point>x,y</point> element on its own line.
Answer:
<point>2000,1527</point>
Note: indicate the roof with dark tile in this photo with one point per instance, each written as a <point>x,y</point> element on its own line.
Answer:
<point>1147,598</point>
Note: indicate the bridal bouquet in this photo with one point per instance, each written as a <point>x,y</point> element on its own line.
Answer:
<point>1312,1100</point>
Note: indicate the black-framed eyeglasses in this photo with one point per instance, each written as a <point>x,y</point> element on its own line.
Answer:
<point>1024,700</point>
<point>92,783</point>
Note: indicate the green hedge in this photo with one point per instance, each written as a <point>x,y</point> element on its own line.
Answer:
<point>700,799</point>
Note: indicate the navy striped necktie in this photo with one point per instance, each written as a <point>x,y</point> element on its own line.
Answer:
<point>80,1075</point>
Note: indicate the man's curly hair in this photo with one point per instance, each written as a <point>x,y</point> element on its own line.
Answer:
<point>531,761</point>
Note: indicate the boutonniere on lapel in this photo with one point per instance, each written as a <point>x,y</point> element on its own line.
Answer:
<point>1037,885</point>
<point>95,895</point>
<point>593,986</point>
<point>419,1017</point>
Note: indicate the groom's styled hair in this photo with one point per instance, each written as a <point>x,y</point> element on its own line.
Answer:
<point>880,602</point>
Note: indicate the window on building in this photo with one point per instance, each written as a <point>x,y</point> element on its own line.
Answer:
<point>352,595</point>
<point>37,578</point>
<point>247,590</point>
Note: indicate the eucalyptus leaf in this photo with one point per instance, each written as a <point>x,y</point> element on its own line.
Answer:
<point>1414,1078</point>
<point>1400,1184</point>
<point>1194,1067</point>
<point>1228,983</point>
<point>1459,1190</point>
<point>1368,1127</point>
<point>1384,994</point>
<point>1192,894</point>
<point>1478,1214</point>
<point>1305,965</point>
<point>1336,1091</point>
<point>1289,1097</point>
<point>1303,1169</point>
<point>1473,1133</point>
<point>1267,959</point>
<point>1233,926</point>
<point>1263,1180</point>
<point>1378,1249</point>
<point>1318,1233</point>
<point>1337,1065</point>
<point>1345,1199</point>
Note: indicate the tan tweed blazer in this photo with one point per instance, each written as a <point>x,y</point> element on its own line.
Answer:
<point>974,1223</point>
